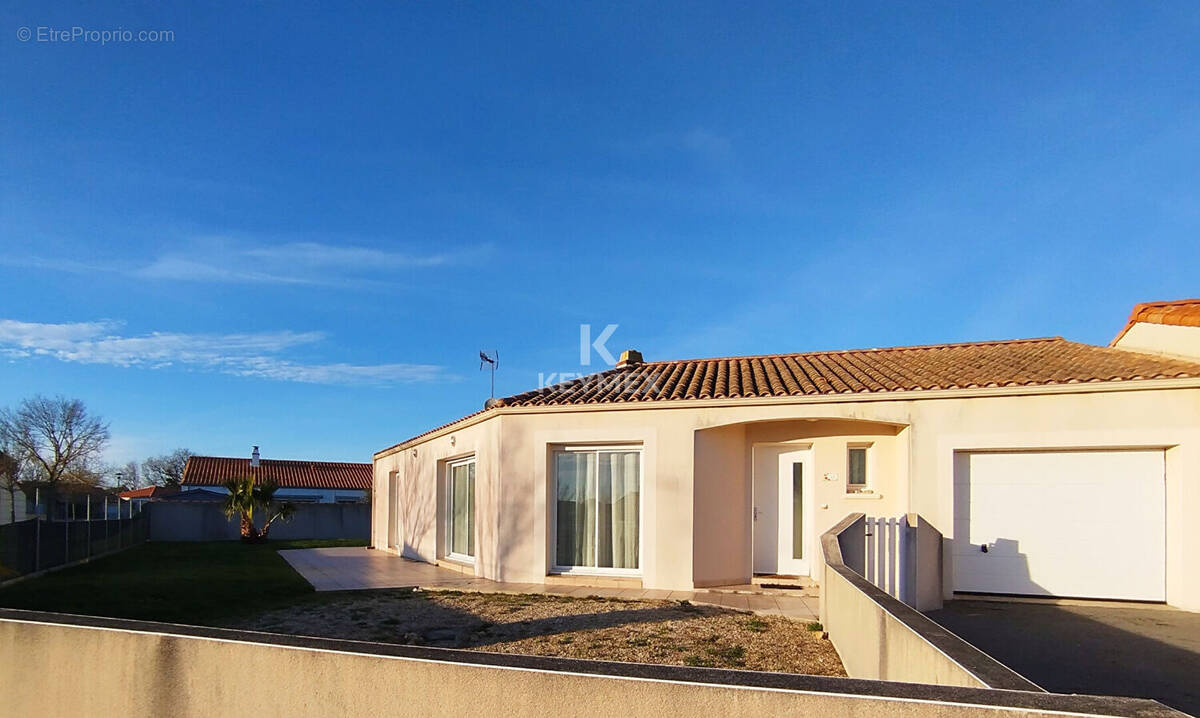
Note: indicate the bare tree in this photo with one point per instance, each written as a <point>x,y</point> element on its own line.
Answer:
<point>57,438</point>
<point>120,476</point>
<point>166,470</point>
<point>10,475</point>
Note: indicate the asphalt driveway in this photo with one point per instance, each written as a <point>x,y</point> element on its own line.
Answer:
<point>1139,651</point>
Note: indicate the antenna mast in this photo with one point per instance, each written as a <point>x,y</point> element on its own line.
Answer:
<point>493,362</point>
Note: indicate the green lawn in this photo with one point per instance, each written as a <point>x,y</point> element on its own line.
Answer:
<point>198,583</point>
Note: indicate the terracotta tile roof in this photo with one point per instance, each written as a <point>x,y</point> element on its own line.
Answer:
<point>216,470</point>
<point>1019,362</point>
<point>150,492</point>
<point>1182,312</point>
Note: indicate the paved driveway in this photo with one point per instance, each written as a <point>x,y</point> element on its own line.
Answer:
<point>1140,651</point>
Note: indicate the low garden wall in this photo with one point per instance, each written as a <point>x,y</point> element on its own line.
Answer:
<point>880,637</point>
<point>186,521</point>
<point>212,672</point>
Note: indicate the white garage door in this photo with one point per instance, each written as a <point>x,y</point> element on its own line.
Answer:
<point>1087,524</point>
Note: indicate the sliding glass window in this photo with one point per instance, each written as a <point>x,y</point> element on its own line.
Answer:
<point>598,509</point>
<point>460,509</point>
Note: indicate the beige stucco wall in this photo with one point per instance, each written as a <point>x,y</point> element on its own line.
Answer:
<point>690,537</point>
<point>721,521</point>
<point>1130,419</point>
<point>874,644</point>
<point>198,676</point>
<point>1169,340</point>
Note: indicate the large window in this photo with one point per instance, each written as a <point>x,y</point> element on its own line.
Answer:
<point>460,509</point>
<point>597,509</point>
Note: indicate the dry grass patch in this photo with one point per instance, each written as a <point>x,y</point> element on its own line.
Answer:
<point>666,632</point>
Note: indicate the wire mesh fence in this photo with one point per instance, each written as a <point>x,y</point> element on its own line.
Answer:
<point>30,546</point>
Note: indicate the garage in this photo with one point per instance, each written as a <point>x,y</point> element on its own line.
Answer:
<point>1080,524</point>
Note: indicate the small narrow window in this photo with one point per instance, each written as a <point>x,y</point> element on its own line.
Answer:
<point>857,471</point>
<point>798,510</point>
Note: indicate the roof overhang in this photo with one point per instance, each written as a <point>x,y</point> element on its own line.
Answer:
<point>1092,387</point>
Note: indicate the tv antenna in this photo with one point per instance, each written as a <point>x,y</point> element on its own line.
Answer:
<point>492,361</point>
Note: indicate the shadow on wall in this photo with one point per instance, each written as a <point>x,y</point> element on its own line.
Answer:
<point>1009,570</point>
<point>995,566</point>
<point>418,516</point>
<point>1136,651</point>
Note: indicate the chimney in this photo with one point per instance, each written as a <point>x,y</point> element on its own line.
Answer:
<point>254,457</point>
<point>630,357</point>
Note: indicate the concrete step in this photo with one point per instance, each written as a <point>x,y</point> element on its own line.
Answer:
<point>812,590</point>
<point>782,581</point>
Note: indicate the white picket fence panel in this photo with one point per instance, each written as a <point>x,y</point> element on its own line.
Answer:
<point>884,554</point>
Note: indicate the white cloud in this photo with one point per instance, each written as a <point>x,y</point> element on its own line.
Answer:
<point>707,144</point>
<point>698,142</point>
<point>224,259</point>
<point>248,355</point>
<point>324,255</point>
<point>217,259</point>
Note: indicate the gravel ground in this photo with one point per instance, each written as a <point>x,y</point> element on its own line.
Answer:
<point>668,632</point>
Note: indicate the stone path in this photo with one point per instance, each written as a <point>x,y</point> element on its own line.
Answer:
<point>357,568</point>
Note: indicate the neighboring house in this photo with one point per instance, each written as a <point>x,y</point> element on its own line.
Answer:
<point>324,482</point>
<point>73,501</point>
<point>138,498</point>
<point>193,495</point>
<point>1168,328</point>
<point>7,509</point>
<point>1050,467</point>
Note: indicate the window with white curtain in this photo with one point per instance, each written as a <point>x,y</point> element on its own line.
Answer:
<point>597,509</point>
<point>460,509</point>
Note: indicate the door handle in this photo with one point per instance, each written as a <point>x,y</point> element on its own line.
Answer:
<point>756,513</point>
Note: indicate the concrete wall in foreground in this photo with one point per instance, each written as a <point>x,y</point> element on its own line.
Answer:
<point>183,521</point>
<point>205,672</point>
<point>881,638</point>
<point>874,644</point>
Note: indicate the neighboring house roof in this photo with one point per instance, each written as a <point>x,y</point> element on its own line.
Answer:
<point>149,492</point>
<point>1018,362</point>
<point>195,495</point>
<point>67,489</point>
<point>216,470</point>
<point>1182,313</point>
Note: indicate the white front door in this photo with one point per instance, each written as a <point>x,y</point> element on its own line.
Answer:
<point>782,518</point>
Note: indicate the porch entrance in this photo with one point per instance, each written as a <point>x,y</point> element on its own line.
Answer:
<point>782,506</point>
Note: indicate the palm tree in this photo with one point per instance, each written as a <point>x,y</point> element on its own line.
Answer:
<point>245,496</point>
<point>265,497</point>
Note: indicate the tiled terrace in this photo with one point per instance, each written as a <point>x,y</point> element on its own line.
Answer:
<point>354,568</point>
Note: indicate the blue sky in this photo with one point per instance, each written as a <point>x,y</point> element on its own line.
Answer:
<point>296,224</point>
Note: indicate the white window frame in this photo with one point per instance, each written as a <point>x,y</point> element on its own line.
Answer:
<point>596,450</point>
<point>867,487</point>
<point>448,521</point>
